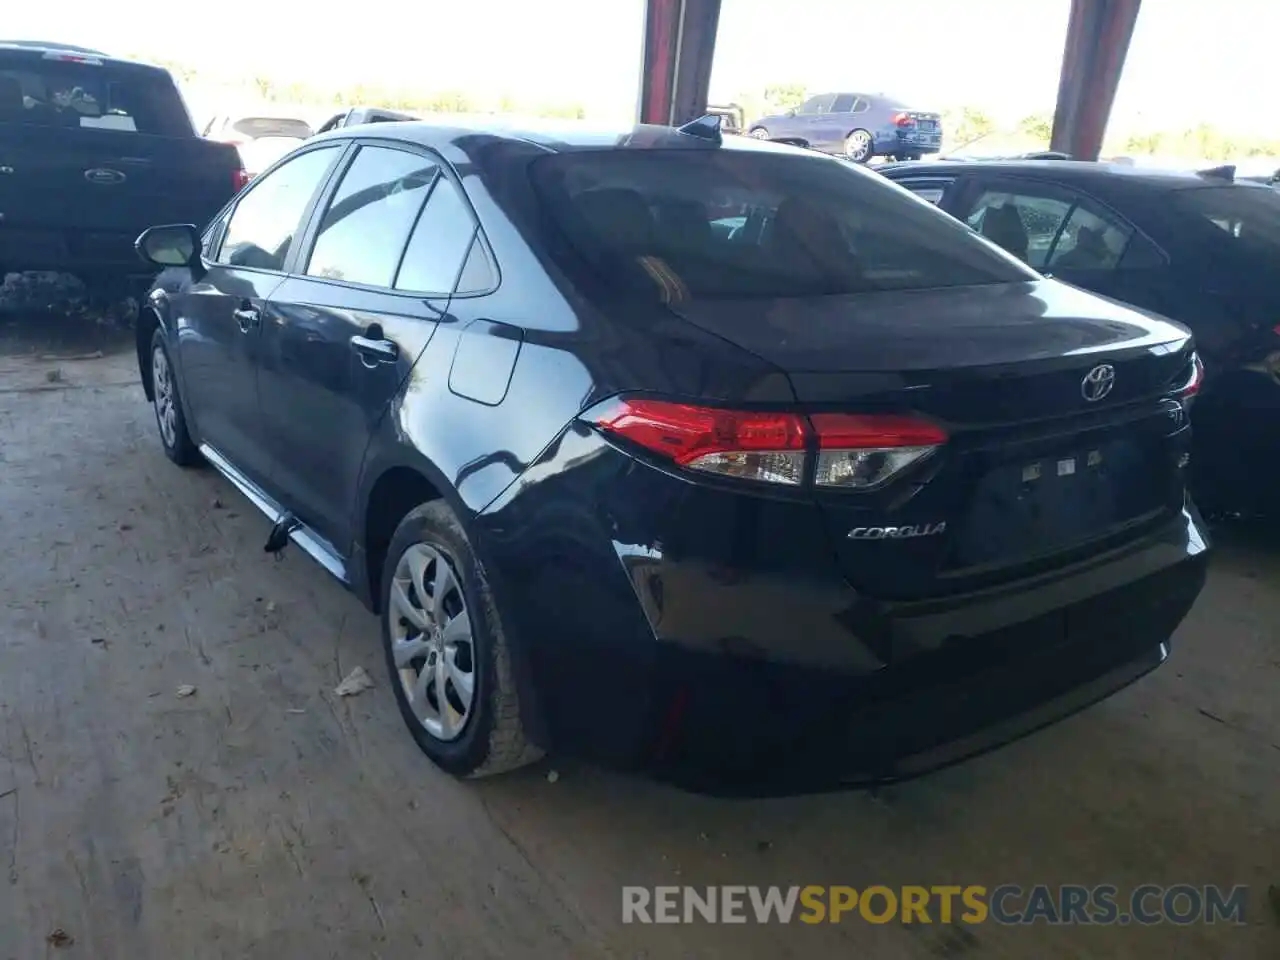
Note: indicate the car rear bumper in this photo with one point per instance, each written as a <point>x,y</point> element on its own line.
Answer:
<point>662,627</point>
<point>86,253</point>
<point>901,145</point>
<point>737,727</point>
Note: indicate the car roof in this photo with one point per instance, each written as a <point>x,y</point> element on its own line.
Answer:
<point>1083,173</point>
<point>37,49</point>
<point>556,136</point>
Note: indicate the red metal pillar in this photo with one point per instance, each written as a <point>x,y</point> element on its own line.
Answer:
<point>1098,36</point>
<point>679,43</point>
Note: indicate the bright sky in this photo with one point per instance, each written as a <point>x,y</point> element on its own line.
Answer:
<point>1191,60</point>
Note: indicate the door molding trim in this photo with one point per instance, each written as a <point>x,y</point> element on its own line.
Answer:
<point>314,545</point>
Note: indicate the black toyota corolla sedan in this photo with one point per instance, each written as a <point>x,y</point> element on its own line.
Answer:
<point>723,460</point>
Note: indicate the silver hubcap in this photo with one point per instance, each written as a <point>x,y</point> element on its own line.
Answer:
<point>166,403</point>
<point>760,134</point>
<point>431,641</point>
<point>858,146</point>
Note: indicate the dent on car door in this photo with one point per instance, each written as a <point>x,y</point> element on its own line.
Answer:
<point>346,328</point>
<point>220,315</point>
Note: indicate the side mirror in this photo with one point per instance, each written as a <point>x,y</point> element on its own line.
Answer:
<point>791,112</point>
<point>173,245</point>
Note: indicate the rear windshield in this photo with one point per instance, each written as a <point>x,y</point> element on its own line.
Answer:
<point>717,224</point>
<point>55,93</point>
<point>1247,218</point>
<point>255,127</point>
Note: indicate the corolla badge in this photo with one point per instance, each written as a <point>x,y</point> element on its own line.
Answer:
<point>898,533</point>
<point>104,175</point>
<point>1097,383</point>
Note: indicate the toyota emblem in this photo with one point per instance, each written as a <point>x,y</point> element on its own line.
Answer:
<point>1097,383</point>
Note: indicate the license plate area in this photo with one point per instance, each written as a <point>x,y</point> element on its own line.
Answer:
<point>1035,505</point>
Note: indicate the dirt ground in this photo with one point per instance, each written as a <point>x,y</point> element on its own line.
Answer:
<point>263,816</point>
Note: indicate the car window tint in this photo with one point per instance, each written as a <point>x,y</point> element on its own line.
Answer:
<point>478,274</point>
<point>266,217</point>
<point>367,222</point>
<point>1089,241</point>
<point>823,103</point>
<point>843,103</point>
<point>809,106</point>
<point>93,95</point>
<point>1236,220</point>
<point>862,106</point>
<point>703,224</point>
<point>1022,223</point>
<point>439,242</point>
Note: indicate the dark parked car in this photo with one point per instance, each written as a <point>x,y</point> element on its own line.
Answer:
<point>92,150</point>
<point>856,126</point>
<point>1200,248</point>
<point>824,489</point>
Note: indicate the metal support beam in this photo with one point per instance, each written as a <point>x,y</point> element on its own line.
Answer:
<point>679,43</point>
<point>1098,36</point>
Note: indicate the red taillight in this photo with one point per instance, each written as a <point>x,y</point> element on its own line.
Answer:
<point>902,119</point>
<point>854,451</point>
<point>242,178</point>
<point>1195,379</point>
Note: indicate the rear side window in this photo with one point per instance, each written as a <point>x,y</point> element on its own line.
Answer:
<point>721,224</point>
<point>266,218</point>
<point>440,242</point>
<point>55,93</point>
<point>1245,219</point>
<point>843,103</point>
<point>368,221</point>
<point>1090,241</point>
<point>1024,224</point>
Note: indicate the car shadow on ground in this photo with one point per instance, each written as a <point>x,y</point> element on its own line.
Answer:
<point>54,335</point>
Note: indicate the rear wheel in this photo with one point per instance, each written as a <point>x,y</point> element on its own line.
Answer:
<point>446,650</point>
<point>858,146</point>
<point>174,437</point>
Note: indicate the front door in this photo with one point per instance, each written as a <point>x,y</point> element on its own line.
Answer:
<point>342,333</point>
<point>220,316</point>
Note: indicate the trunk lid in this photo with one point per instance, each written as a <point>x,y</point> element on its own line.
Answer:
<point>1034,472</point>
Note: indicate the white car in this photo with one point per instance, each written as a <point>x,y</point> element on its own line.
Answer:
<point>260,139</point>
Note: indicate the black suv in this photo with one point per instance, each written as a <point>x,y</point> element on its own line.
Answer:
<point>715,457</point>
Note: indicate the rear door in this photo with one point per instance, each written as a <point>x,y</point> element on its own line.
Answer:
<point>1076,238</point>
<point>808,122</point>
<point>831,127</point>
<point>343,332</point>
<point>220,316</point>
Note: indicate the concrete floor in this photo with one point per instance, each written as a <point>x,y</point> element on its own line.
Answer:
<point>265,817</point>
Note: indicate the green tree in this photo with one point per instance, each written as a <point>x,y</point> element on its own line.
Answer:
<point>786,96</point>
<point>1038,126</point>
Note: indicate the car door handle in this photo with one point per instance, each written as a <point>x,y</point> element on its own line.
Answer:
<point>247,318</point>
<point>378,351</point>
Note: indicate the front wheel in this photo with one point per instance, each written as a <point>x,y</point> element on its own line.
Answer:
<point>858,146</point>
<point>760,133</point>
<point>446,650</point>
<point>174,436</point>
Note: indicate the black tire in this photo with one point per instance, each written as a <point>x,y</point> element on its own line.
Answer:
<point>759,133</point>
<point>492,739</point>
<point>177,443</point>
